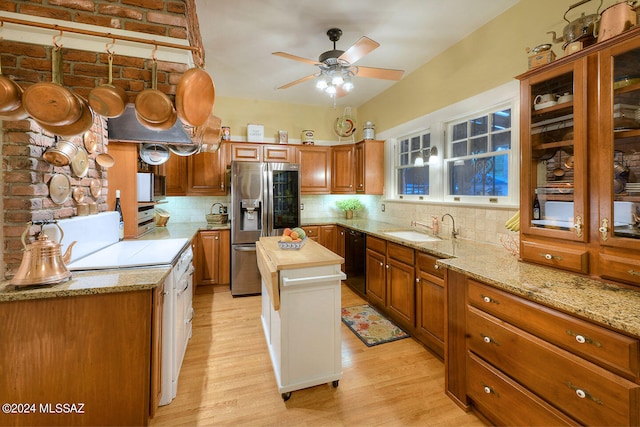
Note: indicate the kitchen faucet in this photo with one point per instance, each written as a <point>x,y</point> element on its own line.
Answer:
<point>454,233</point>
<point>433,227</point>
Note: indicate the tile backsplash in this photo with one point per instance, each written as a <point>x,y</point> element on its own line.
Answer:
<point>476,223</point>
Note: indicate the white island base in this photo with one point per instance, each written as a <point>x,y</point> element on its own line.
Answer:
<point>304,333</point>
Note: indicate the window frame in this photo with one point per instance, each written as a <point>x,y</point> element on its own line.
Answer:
<point>398,166</point>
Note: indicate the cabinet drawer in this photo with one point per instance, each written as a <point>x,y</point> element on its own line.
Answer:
<point>277,154</point>
<point>376,244</point>
<point>246,152</point>
<point>312,231</point>
<point>600,345</point>
<point>553,256</point>
<point>427,263</point>
<point>400,253</point>
<point>507,401</point>
<point>619,268</point>
<point>586,392</point>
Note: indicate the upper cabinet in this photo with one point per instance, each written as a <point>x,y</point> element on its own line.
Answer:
<point>369,156</point>
<point>315,169</point>
<point>580,140</point>
<point>202,174</point>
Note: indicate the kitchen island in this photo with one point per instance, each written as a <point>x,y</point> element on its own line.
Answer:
<point>301,308</point>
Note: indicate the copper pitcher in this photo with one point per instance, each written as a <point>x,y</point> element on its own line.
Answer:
<point>42,262</point>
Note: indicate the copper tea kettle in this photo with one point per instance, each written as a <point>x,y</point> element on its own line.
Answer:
<point>42,262</point>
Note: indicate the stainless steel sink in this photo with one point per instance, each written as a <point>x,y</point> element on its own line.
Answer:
<point>411,235</point>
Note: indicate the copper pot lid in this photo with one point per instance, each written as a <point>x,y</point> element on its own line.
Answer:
<point>80,163</point>
<point>59,188</point>
<point>78,194</point>
<point>90,141</point>
<point>95,187</point>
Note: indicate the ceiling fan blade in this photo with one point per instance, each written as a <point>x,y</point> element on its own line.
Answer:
<point>380,73</point>
<point>295,58</point>
<point>359,49</point>
<point>304,79</point>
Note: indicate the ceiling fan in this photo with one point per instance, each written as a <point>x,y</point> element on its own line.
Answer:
<point>337,69</point>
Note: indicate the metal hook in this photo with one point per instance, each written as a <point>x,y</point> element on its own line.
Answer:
<point>56,40</point>
<point>153,53</point>
<point>109,46</point>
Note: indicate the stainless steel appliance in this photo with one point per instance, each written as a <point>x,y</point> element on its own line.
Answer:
<point>354,260</point>
<point>265,199</point>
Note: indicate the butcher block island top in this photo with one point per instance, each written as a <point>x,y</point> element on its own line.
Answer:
<point>272,259</point>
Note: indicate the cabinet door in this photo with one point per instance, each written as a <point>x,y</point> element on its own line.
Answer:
<point>401,284</point>
<point>276,153</point>
<point>328,236</point>
<point>554,148</point>
<point>430,318</point>
<point>206,174</point>
<point>156,349</point>
<point>618,160</point>
<point>369,157</point>
<point>315,169</point>
<point>376,273</point>
<point>210,249</point>
<point>175,170</point>
<point>312,232</point>
<point>340,243</point>
<point>121,175</point>
<point>342,169</point>
<point>246,152</point>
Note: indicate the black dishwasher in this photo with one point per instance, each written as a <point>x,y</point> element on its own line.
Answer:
<point>354,259</point>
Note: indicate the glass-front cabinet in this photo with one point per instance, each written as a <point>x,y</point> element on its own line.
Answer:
<point>554,190</point>
<point>580,171</point>
<point>619,165</point>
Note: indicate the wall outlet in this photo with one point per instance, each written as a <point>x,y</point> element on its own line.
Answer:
<point>382,207</point>
<point>301,206</point>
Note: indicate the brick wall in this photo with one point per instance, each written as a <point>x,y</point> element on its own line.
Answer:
<point>25,174</point>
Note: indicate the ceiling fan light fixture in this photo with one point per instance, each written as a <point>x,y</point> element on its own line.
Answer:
<point>337,80</point>
<point>321,83</point>
<point>347,86</point>
<point>331,90</point>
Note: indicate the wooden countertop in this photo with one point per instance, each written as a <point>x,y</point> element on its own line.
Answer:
<point>272,259</point>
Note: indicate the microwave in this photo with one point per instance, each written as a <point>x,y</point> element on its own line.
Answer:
<point>151,187</point>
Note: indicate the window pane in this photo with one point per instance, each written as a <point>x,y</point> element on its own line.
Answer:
<point>479,145</point>
<point>459,131</point>
<point>459,149</point>
<point>479,126</point>
<point>501,120</point>
<point>404,159</point>
<point>415,143</point>
<point>501,141</point>
<point>426,140</point>
<point>487,176</point>
<point>413,180</point>
<point>404,146</point>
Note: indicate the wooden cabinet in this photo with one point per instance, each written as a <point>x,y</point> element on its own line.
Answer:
<point>589,375</point>
<point>326,235</point>
<point>213,257</point>
<point>581,159</point>
<point>156,348</point>
<point>390,279</point>
<point>248,152</point>
<point>343,169</point>
<point>430,319</point>
<point>369,167</point>
<point>340,242</point>
<point>121,176</point>
<point>202,174</point>
<point>315,169</point>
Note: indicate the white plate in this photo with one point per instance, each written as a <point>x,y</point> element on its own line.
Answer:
<point>544,105</point>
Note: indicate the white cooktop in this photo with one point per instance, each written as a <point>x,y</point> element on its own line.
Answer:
<point>132,253</point>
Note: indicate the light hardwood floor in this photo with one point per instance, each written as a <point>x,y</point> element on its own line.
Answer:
<point>227,377</point>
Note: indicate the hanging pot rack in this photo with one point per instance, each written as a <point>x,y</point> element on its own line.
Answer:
<point>98,34</point>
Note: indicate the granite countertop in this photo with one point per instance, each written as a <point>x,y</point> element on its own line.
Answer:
<point>602,302</point>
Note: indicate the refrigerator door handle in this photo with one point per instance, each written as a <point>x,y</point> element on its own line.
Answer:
<point>244,249</point>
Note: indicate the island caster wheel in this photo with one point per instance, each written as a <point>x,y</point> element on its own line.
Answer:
<point>335,383</point>
<point>286,396</point>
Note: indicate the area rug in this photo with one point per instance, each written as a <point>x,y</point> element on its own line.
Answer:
<point>370,326</point>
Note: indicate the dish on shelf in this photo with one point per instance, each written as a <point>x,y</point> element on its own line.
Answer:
<point>625,81</point>
<point>543,105</point>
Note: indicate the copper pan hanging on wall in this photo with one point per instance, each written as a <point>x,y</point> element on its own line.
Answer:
<point>195,97</point>
<point>154,109</point>
<point>50,103</point>
<point>10,94</point>
<point>108,100</point>
<point>83,124</point>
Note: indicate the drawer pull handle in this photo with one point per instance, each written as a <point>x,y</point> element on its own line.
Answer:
<point>489,390</point>
<point>488,299</point>
<point>583,339</point>
<point>549,257</point>
<point>634,273</point>
<point>604,229</point>
<point>436,266</point>
<point>578,226</point>
<point>488,339</point>
<point>582,394</point>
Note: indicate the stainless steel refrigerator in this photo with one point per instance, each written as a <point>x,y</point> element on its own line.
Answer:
<point>265,199</point>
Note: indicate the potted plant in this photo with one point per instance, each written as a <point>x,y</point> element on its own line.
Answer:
<point>348,206</point>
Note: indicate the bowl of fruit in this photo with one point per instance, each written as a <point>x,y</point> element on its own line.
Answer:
<point>292,238</point>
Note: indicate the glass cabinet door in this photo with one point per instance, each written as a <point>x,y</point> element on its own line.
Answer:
<point>619,146</point>
<point>554,141</point>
